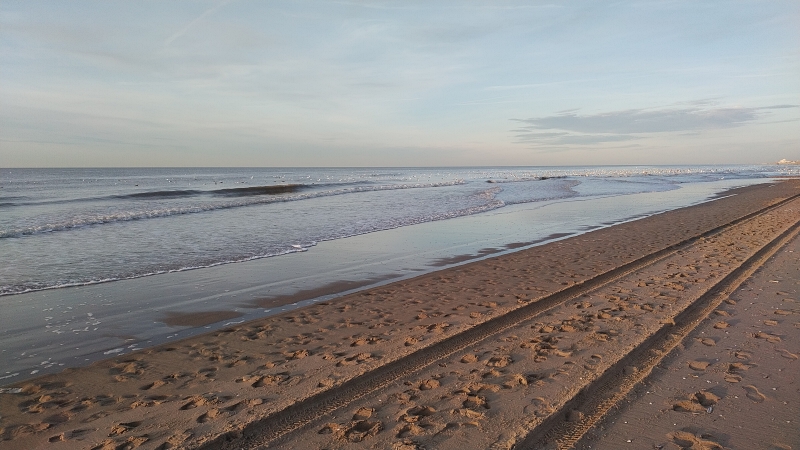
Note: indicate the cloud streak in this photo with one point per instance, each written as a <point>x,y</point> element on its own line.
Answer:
<point>188,26</point>
<point>571,128</point>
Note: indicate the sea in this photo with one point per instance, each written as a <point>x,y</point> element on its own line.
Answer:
<point>94,262</point>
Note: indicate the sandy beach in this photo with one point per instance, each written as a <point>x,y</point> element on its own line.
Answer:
<point>696,307</point>
<point>741,392</point>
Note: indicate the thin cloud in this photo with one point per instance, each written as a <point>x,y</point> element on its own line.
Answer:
<point>506,87</point>
<point>569,127</point>
<point>188,26</point>
<point>573,139</point>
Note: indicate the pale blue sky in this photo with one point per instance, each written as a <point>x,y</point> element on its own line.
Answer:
<point>259,83</point>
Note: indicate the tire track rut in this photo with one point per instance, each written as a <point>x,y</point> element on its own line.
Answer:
<point>597,399</point>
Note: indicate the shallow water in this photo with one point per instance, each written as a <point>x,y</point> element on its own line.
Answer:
<point>66,227</point>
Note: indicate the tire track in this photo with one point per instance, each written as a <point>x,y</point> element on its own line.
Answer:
<point>596,399</point>
<point>262,432</point>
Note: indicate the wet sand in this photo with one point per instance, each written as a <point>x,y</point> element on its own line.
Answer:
<point>492,394</point>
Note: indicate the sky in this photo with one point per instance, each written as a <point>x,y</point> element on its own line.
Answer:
<point>405,83</point>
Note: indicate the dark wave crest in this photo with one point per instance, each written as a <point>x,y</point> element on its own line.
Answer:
<point>260,190</point>
<point>157,194</point>
<point>178,193</point>
<point>227,192</point>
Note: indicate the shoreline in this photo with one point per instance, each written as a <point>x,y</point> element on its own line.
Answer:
<point>320,347</point>
<point>93,322</point>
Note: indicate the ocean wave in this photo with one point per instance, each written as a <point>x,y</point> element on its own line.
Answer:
<point>261,190</point>
<point>524,179</point>
<point>250,200</point>
<point>149,195</point>
<point>249,191</point>
<point>491,204</point>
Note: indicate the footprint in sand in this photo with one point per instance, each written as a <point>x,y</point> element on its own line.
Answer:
<point>208,415</point>
<point>414,413</point>
<point>438,327</point>
<point>737,367</point>
<point>708,341</point>
<point>131,442</point>
<point>208,372</point>
<point>153,385</point>
<point>686,440</point>
<point>540,407</point>
<point>269,380</point>
<point>428,385</point>
<point>470,358</point>
<point>689,406</point>
<point>786,353</point>
<point>19,431</point>
<point>754,394</point>
<point>591,363</point>
<point>769,337</point>
<point>515,380</point>
<point>499,361</point>
<point>698,365</point>
<point>149,401</point>
<point>362,430</point>
<point>706,398</point>
<point>194,402</point>
<point>363,414</point>
<point>96,416</point>
<point>299,354</point>
<point>69,435</point>
<point>731,378</point>
<point>474,402</point>
<point>176,440</point>
<point>123,428</point>
<point>360,357</point>
<point>236,407</point>
<point>238,362</point>
<point>742,355</point>
<point>239,406</point>
<point>129,367</point>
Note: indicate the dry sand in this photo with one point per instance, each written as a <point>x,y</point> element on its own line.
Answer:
<point>743,392</point>
<point>488,395</point>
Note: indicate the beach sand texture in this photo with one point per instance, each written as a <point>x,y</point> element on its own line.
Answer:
<point>741,392</point>
<point>485,355</point>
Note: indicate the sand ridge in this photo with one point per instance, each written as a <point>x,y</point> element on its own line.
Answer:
<point>185,394</point>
